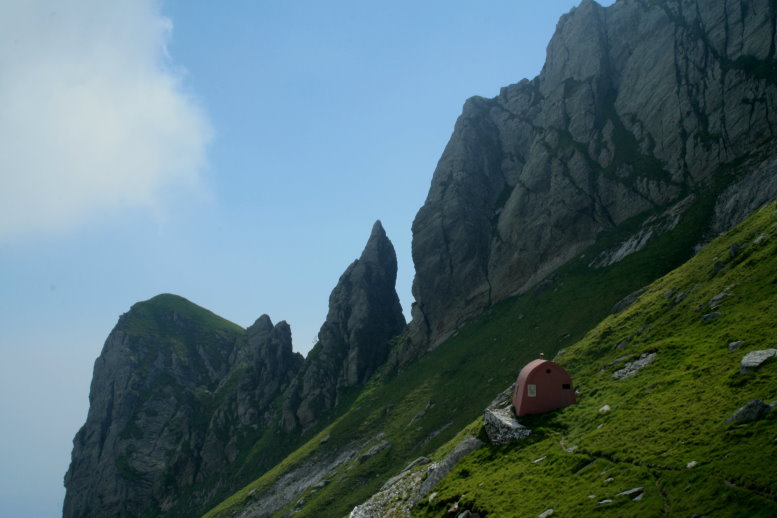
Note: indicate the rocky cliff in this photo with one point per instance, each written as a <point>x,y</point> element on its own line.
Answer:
<point>143,436</point>
<point>638,105</point>
<point>644,111</point>
<point>181,397</point>
<point>364,314</point>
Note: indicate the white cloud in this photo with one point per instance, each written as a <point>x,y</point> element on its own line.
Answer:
<point>94,117</point>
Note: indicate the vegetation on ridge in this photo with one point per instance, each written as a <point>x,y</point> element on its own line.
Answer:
<point>666,431</point>
<point>150,317</point>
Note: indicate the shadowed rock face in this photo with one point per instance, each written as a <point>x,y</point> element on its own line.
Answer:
<point>638,105</point>
<point>263,369</point>
<point>162,415</point>
<point>364,314</point>
<point>143,408</point>
<point>178,393</point>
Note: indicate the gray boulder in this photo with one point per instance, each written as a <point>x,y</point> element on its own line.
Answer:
<point>502,426</point>
<point>754,359</point>
<point>752,411</point>
<point>631,368</point>
<point>632,493</point>
<point>718,299</point>
<point>627,301</point>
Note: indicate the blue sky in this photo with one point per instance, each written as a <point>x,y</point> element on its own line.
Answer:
<point>235,153</point>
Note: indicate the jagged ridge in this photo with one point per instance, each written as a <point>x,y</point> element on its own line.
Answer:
<point>185,407</point>
<point>638,105</point>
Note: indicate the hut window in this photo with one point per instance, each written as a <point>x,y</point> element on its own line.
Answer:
<point>547,371</point>
<point>532,390</point>
<point>566,386</point>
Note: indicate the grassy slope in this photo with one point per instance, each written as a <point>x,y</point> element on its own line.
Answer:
<point>146,316</point>
<point>669,414</point>
<point>452,384</point>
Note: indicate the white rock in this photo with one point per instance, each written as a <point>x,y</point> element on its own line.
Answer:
<point>632,493</point>
<point>604,409</point>
<point>503,427</point>
<point>755,359</point>
<point>631,368</point>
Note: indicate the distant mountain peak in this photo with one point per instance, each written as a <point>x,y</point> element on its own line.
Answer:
<point>364,314</point>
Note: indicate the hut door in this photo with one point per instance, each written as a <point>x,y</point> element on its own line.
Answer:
<point>532,390</point>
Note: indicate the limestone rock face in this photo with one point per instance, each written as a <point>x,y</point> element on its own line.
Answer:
<point>262,369</point>
<point>141,439</point>
<point>364,314</point>
<point>271,366</point>
<point>638,105</point>
<point>179,394</point>
<point>163,414</point>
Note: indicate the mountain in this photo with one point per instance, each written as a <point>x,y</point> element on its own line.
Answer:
<point>648,132</point>
<point>364,314</point>
<point>639,106</point>
<point>164,359</point>
<point>186,407</point>
<point>553,209</point>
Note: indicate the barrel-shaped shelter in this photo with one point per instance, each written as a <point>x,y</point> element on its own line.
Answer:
<point>542,386</point>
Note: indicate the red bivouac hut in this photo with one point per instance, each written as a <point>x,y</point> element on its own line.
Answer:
<point>542,386</point>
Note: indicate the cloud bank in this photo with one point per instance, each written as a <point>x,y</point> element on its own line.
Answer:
<point>94,116</point>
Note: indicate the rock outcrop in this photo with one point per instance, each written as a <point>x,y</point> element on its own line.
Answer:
<point>753,410</point>
<point>142,440</point>
<point>364,314</point>
<point>179,394</point>
<point>631,368</point>
<point>754,359</point>
<point>638,105</point>
<point>262,368</point>
<point>502,427</point>
<point>400,493</point>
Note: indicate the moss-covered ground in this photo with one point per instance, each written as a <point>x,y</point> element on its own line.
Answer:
<point>666,430</point>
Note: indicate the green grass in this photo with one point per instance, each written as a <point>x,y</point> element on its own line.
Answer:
<point>422,408</point>
<point>151,317</point>
<point>670,413</point>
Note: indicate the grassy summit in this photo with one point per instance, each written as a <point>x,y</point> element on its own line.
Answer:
<point>152,316</point>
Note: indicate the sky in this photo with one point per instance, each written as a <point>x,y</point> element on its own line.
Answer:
<point>235,153</point>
